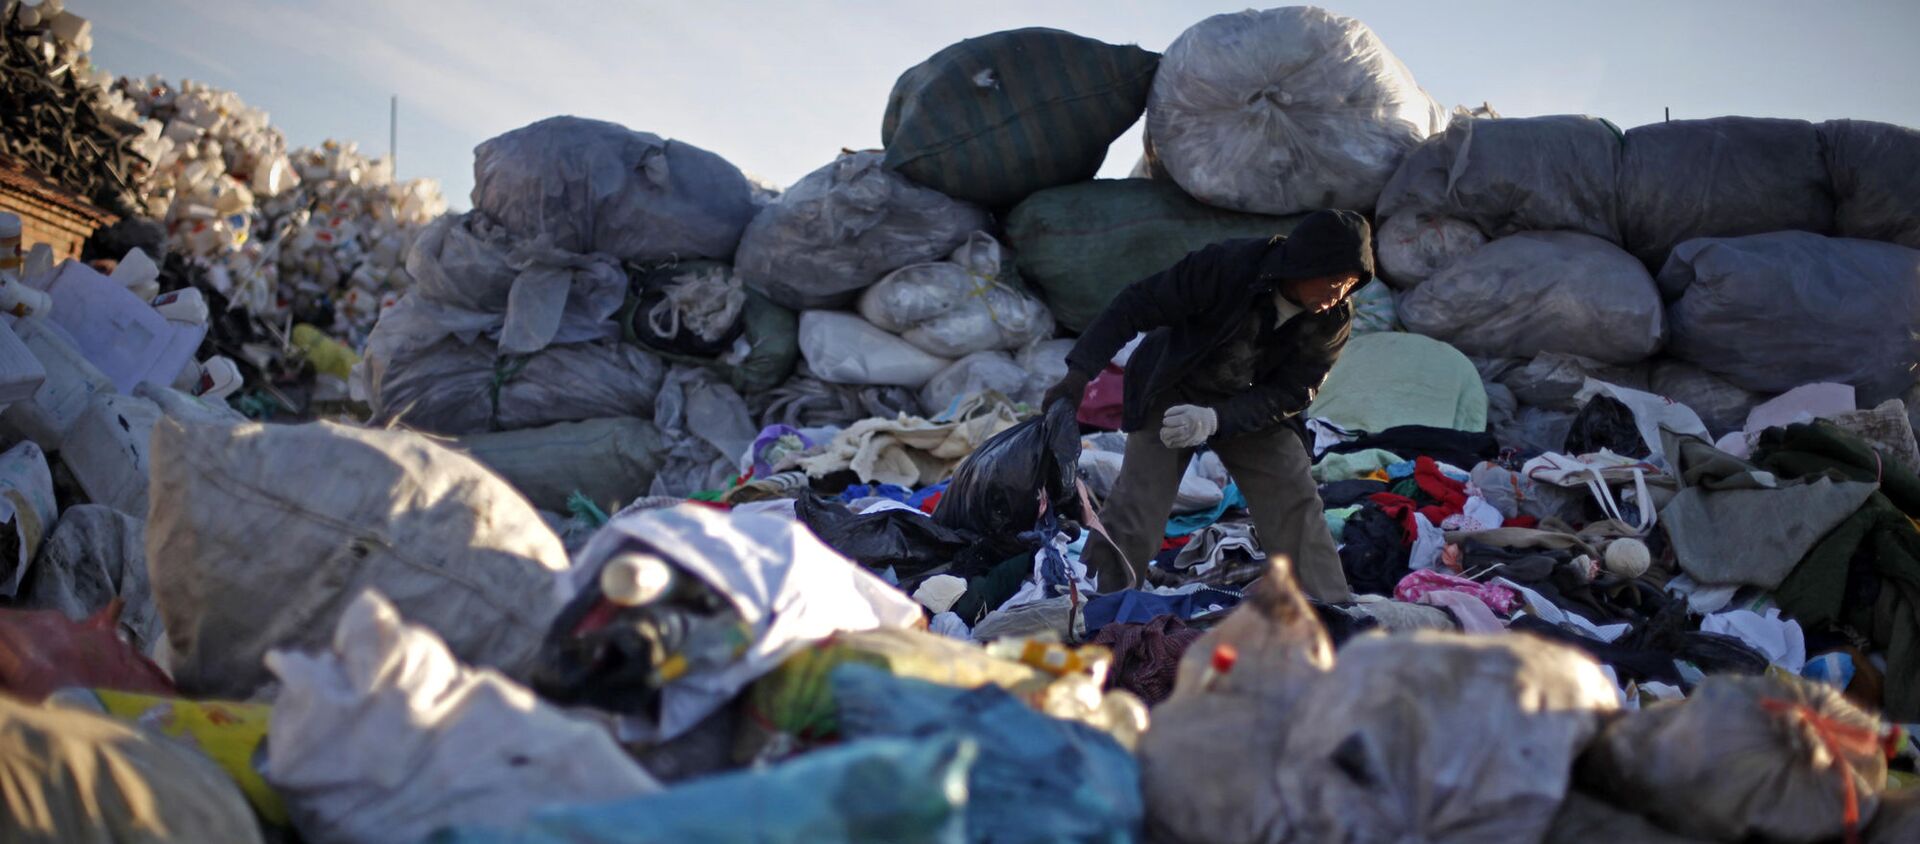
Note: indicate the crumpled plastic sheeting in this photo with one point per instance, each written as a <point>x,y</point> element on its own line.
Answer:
<point>842,227</point>
<point>483,283</point>
<point>96,554</point>
<point>709,428</point>
<point>387,737</point>
<point>788,587</point>
<point>808,402</point>
<point>591,186</point>
<point>1284,111</point>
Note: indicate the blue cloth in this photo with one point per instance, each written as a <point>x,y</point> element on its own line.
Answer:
<point>1833,668</point>
<point>1134,606</point>
<point>919,498</point>
<point>887,491</point>
<point>1038,778</point>
<point>879,789</point>
<point>1193,522</point>
<point>1401,470</point>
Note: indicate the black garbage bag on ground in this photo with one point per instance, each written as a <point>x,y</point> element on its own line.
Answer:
<point>907,541</point>
<point>1374,553</point>
<point>1606,423</point>
<point>999,490</point>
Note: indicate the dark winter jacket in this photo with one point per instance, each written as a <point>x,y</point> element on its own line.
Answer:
<point>1193,307</point>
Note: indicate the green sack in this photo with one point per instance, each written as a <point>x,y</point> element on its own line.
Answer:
<point>1081,244</point>
<point>995,118</point>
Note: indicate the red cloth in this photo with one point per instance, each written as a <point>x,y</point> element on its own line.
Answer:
<point>1449,495</point>
<point>1401,508</point>
<point>41,651</point>
<point>1522,522</point>
<point>1105,406</point>
<point>1172,542</point>
<point>932,501</point>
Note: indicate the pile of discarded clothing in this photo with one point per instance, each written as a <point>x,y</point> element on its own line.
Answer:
<point>685,509</point>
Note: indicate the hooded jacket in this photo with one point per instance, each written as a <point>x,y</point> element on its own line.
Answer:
<point>1193,307</point>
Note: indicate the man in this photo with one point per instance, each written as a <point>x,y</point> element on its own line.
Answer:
<point>1240,336</point>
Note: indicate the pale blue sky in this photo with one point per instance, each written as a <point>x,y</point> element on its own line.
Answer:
<point>779,88</point>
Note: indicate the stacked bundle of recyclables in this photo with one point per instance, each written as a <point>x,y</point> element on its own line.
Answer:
<point>1719,262</point>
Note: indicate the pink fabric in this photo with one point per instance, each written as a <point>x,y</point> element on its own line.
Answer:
<point>1474,617</point>
<point>1105,405</point>
<point>1419,584</point>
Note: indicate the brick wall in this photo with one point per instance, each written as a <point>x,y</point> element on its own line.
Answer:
<point>41,222</point>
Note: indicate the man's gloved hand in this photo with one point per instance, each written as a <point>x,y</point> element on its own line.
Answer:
<point>1073,388</point>
<point>1187,425</point>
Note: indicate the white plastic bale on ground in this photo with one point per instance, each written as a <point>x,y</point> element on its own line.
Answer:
<point>1284,111</point>
<point>842,348</point>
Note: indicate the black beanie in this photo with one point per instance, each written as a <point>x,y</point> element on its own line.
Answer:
<point>1326,243</point>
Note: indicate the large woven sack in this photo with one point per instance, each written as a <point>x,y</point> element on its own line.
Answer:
<point>1770,312</point>
<point>1553,173</point>
<point>842,227</point>
<point>593,186</point>
<point>995,118</point>
<point>1723,177</point>
<point>1081,244</point>
<point>1875,169</point>
<point>1542,292</point>
<point>264,533</point>
<point>1285,111</point>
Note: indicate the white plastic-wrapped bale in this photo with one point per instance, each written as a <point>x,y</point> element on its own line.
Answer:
<point>268,531</point>
<point>973,374</point>
<point>1510,175</point>
<point>1284,111</point>
<point>1045,363</point>
<point>593,186</point>
<point>970,303</point>
<point>1875,169</point>
<point>842,227</point>
<point>1542,292</point>
<point>1412,246</point>
<point>1770,312</point>
<point>1724,177</point>
<point>842,348</point>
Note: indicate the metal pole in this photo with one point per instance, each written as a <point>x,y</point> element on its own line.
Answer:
<point>393,134</point>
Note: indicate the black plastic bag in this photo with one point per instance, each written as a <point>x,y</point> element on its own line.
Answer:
<point>1374,553</point>
<point>616,652</point>
<point>1606,423</point>
<point>909,542</point>
<point>1001,490</point>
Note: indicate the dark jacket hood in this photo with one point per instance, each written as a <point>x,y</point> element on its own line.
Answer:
<point>1324,243</point>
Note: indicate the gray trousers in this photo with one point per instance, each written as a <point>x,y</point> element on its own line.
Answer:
<point>1273,472</point>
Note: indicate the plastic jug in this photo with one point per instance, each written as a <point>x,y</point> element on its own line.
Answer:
<point>71,383</point>
<point>123,336</point>
<point>20,372</point>
<point>107,451</point>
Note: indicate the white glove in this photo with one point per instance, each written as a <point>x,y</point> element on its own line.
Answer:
<point>1188,425</point>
